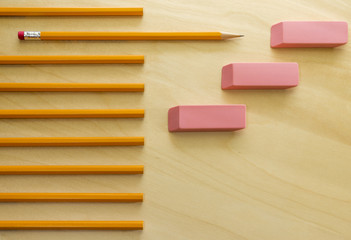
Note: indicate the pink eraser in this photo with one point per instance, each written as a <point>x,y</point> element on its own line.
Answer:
<point>308,34</point>
<point>260,75</point>
<point>197,118</point>
<point>21,35</point>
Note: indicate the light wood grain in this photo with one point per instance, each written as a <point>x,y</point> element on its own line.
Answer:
<point>286,176</point>
<point>79,11</point>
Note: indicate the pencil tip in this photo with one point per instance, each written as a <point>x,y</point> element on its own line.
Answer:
<point>225,35</point>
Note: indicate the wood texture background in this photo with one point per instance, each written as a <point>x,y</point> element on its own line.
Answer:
<point>286,176</point>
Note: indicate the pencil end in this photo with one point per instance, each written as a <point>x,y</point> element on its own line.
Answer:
<point>225,35</point>
<point>21,35</point>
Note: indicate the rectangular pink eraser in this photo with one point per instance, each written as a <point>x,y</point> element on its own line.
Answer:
<point>260,75</point>
<point>291,34</point>
<point>197,118</point>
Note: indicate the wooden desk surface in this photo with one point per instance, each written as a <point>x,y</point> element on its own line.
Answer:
<point>286,176</point>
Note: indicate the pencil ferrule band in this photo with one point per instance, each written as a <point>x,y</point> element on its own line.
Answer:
<point>31,35</point>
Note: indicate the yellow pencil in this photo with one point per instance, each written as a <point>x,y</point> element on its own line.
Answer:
<point>71,197</point>
<point>71,169</point>
<point>71,87</point>
<point>9,11</point>
<point>72,113</point>
<point>71,141</point>
<point>71,59</point>
<point>142,36</point>
<point>71,225</point>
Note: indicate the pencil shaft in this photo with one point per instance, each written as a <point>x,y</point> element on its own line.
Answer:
<point>71,11</point>
<point>71,59</point>
<point>71,225</point>
<point>71,169</point>
<point>71,197</point>
<point>71,141</point>
<point>73,113</point>
<point>130,36</point>
<point>71,87</point>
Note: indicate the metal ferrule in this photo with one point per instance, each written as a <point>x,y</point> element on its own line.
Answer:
<point>31,35</point>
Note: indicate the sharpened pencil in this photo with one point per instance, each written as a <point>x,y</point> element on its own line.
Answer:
<point>132,36</point>
<point>71,225</point>
<point>71,87</point>
<point>31,11</point>
<point>71,197</point>
<point>71,141</point>
<point>98,59</point>
<point>71,169</point>
<point>72,113</point>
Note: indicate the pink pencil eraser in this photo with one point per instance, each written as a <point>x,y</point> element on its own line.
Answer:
<point>260,75</point>
<point>21,35</point>
<point>308,34</point>
<point>205,118</point>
